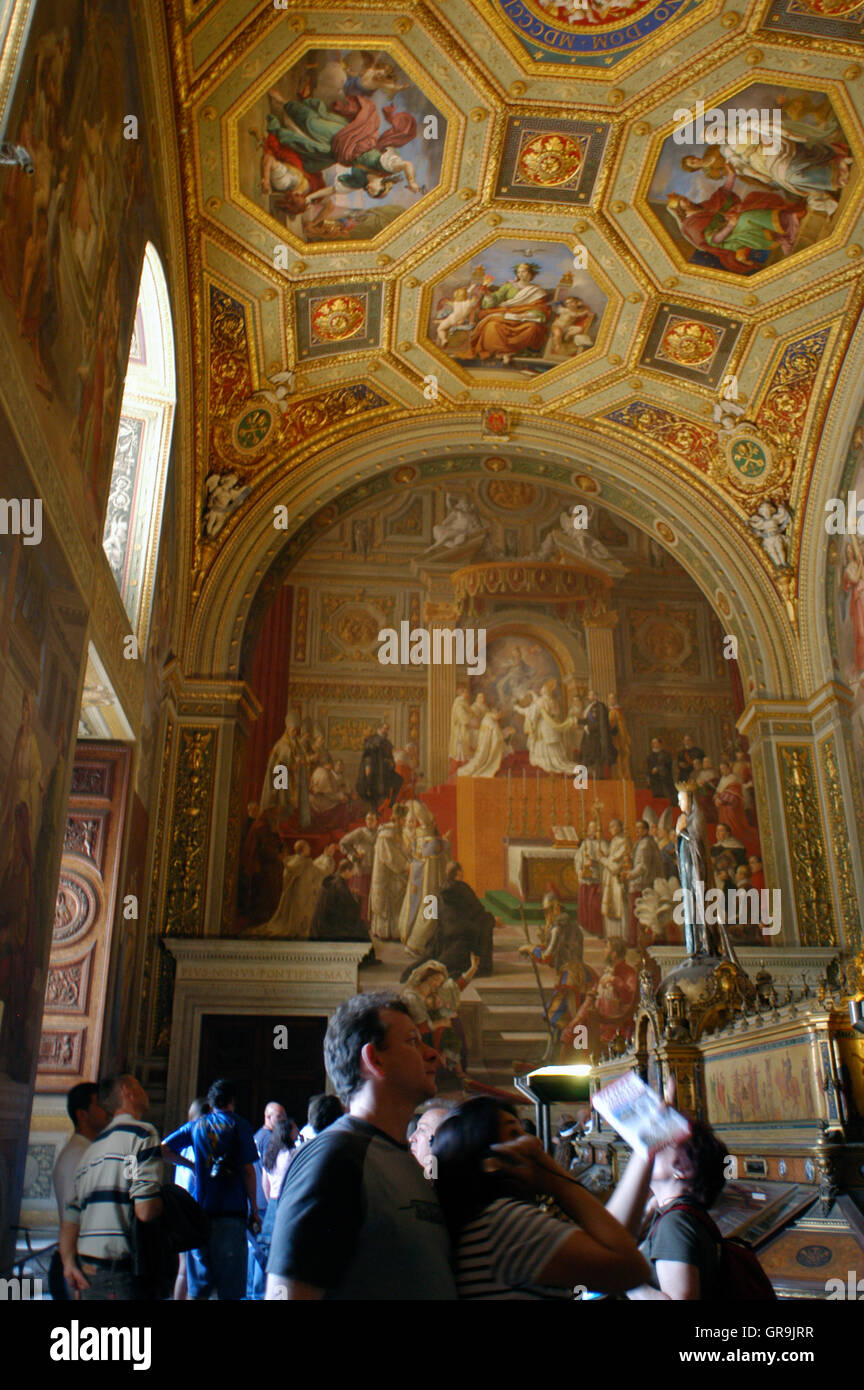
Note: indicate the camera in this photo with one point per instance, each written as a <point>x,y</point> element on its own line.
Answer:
<point>224,1167</point>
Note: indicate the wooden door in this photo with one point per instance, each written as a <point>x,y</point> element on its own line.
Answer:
<point>240,1047</point>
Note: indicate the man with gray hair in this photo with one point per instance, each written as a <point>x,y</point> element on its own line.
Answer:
<point>116,1183</point>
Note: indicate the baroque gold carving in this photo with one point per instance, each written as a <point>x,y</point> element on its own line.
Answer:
<point>840,844</point>
<point>187,864</point>
<point>533,582</point>
<point>807,847</point>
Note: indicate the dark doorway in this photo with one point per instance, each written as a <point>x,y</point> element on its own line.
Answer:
<point>242,1049</point>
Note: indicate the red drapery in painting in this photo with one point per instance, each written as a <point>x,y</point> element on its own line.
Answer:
<point>269,680</point>
<point>737,687</point>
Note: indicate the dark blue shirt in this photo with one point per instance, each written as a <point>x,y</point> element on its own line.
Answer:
<point>218,1135</point>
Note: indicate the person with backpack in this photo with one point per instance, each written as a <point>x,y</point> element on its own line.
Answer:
<point>224,1156</point>
<point>666,1197</point>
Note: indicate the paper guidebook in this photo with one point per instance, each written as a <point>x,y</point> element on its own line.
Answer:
<point>639,1115</point>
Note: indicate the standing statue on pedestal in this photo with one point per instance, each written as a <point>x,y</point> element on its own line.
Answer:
<point>700,937</point>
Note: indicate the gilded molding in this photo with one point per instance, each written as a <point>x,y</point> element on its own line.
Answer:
<point>186,884</point>
<point>807,846</point>
<point>845,881</point>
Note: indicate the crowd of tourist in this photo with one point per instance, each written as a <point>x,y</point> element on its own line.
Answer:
<point>387,1192</point>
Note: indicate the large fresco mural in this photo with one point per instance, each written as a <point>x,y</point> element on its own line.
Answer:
<point>72,238</point>
<point>71,235</point>
<point>517,305</point>
<point>754,192</point>
<point>341,145</point>
<point>43,621</point>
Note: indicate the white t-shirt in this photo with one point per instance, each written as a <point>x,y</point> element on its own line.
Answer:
<point>68,1160</point>
<point>277,1177</point>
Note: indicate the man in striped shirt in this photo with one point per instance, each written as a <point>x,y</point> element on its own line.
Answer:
<point>116,1183</point>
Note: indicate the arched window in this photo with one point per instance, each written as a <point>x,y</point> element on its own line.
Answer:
<point>15,20</point>
<point>134,518</point>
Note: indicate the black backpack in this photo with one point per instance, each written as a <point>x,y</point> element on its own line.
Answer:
<point>740,1277</point>
<point>183,1225</point>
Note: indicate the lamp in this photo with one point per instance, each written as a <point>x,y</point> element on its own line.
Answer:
<point>553,1085</point>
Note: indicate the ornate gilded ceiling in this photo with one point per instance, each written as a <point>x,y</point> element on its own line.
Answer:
<point>365,184</point>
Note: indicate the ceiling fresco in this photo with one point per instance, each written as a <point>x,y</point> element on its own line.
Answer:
<point>497,212</point>
<point>341,145</point>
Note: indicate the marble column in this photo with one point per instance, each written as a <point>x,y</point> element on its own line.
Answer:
<point>599,634</point>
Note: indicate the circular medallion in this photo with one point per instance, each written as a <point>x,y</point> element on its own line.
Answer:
<point>814,1256</point>
<point>496,465</point>
<point>665,533</point>
<point>748,457</point>
<point>334,320</point>
<point>325,517</point>
<point>558,30</point>
<point>75,909</point>
<point>548,161</point>
<point>688,342</point>
<point>405,474</point>
<point>252,428</point>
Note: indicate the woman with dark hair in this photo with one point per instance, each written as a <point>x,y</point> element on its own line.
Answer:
<point>684,1180</point>
<point>275,1163</point>
<point>489,1173</point>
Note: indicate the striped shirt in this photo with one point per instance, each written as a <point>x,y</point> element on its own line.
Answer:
<point>503,1250</point>
<point>120,1167</point>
